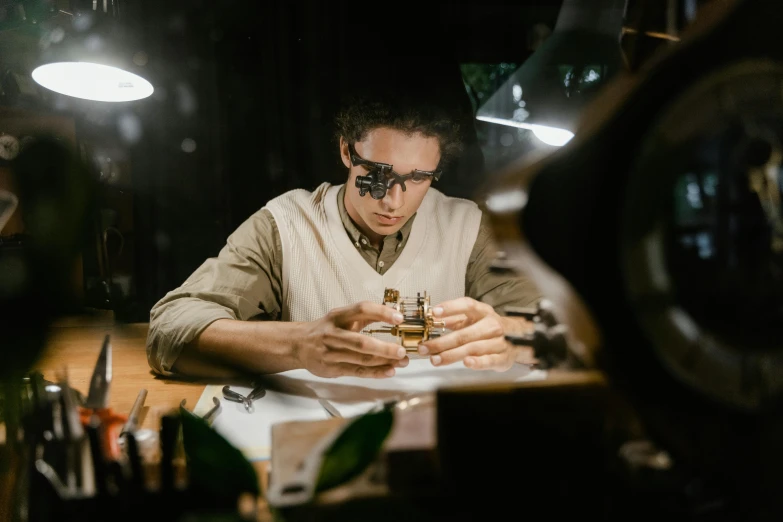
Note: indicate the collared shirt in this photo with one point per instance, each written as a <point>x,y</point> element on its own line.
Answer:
<point>381,259</point>
<point>245,281</point>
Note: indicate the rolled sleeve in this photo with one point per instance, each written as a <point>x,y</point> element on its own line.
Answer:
<point>243,282</point>
<point>175,322</point>
<point>497,290</point>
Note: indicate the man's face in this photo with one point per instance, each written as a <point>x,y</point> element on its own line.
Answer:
<point>406,152</point>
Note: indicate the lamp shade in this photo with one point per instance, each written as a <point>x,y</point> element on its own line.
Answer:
<point>97,58</point>
<point>547,93</point>
<point>92,81</point>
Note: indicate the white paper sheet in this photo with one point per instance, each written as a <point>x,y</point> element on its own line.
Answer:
<point>294,395</point>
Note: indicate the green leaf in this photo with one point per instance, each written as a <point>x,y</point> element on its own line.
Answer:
<point>213,463</point>
<point>354,449</point>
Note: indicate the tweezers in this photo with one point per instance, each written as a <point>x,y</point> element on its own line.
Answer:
<point>330,409</point>
<point>231,395</point>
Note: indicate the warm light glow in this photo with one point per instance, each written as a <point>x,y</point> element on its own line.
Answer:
<point>92,81</point>
<point>503,202</point>
<point>552,135</point>
<point>549,135</point>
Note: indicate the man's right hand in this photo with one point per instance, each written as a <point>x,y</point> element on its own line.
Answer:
<point>333,346</point>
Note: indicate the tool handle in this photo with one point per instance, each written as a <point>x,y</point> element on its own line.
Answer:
<point>169,431</point>
<point>93,430</point>
<point>111,440</point>
<point>133,417</point>
<point>112,424</point>
<point>213,410</point>
<point>257,393</point>
<point>137,471</point>
<point>231,395</point>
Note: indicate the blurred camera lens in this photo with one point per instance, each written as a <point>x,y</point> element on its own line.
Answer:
<point>703,229</point>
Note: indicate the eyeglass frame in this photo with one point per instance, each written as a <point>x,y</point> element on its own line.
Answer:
<point>388,170</point>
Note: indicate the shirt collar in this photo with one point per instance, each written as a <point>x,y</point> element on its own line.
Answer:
<point>353,231</point>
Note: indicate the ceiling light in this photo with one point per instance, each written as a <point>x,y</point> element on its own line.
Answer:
<point>92,81</point>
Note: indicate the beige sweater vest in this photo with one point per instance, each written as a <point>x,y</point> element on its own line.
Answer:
<point>322,269</point>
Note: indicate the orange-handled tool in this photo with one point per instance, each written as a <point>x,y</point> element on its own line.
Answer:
<point>97,404</point>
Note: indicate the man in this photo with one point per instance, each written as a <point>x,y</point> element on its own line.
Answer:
<point>315,265</point>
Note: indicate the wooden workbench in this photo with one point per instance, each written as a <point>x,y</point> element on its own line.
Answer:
<point>77,347</point>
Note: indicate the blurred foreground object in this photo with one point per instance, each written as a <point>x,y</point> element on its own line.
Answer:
<point>457,455</point>
<point>657,234</point>
<point>70,463</point>
<point>8,204</point>
<point>55,192</point>
<point>61,456</point>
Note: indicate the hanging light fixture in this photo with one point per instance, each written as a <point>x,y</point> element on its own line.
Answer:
<point>96,58</point>
<point>546,94</point>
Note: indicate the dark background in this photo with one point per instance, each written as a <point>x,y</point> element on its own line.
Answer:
<point>243,108</point>
<point>267,78</point>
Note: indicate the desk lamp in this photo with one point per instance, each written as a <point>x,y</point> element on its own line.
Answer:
<point>547,93</point>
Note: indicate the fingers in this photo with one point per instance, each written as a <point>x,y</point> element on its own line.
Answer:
<point>363,359</point>
<point>525,355</point>
<point>338,339</point>
<point>457,322</point>
<point>489,354</point>
<point>495,361</point>
<point>361,314</point>
<point>355,370</point>
<point>470,308</point>
<point>402,363</point>
<point>482,347</point>
<point>487,328</point>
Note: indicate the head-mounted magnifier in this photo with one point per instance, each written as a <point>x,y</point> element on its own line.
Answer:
<point>381,176</point>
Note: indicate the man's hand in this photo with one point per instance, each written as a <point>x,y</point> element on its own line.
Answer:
<point>333,346</point>
<point>478,338</point>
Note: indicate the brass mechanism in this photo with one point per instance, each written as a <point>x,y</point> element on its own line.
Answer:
<point>418,325</point>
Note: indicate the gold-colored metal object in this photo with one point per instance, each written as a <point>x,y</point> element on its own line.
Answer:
<point>418,324</point>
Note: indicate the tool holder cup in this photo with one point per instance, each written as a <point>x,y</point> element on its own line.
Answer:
<point>58,468</point>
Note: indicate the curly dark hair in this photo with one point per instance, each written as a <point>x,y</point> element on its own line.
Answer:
<point>411,114</point>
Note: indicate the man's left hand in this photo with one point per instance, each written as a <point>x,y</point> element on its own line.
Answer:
<point>478,337</point>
